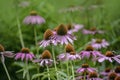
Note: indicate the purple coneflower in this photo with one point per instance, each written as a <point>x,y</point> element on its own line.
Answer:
<point>92,30</point>
<point>33,18</point>
<point>89,51</point>
<point>47,39</point>
<point>62,36</point>
<point>74,28</point>
<point>24,54</point>
<point>4,53</point>
<point>45,60</point>
<point>64,56</point>
<point>112,76</point>
<point>99,43</point>
<point>93,76</point>
<point>106,72</point>
<point>85,68</point>
<point>117,78</point>
<point>73,56</point>
<point>117,70</point>
<point>109,56</point>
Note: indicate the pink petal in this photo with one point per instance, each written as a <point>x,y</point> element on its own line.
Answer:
<point>22,56</point>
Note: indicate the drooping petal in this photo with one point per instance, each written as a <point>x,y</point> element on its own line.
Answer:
<point>18,55</point>
<point>23,56</point>
<point>8,54</point>
<point>101,59</point>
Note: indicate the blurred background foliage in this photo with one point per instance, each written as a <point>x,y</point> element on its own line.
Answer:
<point>104,14</point>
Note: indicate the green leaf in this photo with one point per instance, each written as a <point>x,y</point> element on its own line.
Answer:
<point>21,64</point>
<point>19,70</point>
<point>24,73</point>
<point>44,77</point>
<point>62,73</point>
<point>37,75</point>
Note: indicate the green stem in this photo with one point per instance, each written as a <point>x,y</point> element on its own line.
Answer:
<point>54,62</point>
<point>67,64</point>
<point>72,70</point>
<point>35,35</point>
<point>48,72</point>
<point>6,70</point>
<point>84,76</point>
<point>20,33</point>
<point>111,65</point>
<point>38,72</point>
<point>37,51</point>
<point>28,75</point>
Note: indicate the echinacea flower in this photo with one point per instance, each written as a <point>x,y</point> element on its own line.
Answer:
<point>4,53</point>
<point>47,39</point>
<point>109,56</point>
<point>99,43</point>
<point>117,78</point>
<point>85,68</point>
<point>92,30</point>
<point>117,70</point>
<point>89,52</point>
<point>45,60</point>
<point>24,54</point>
<point>74,28</point>
<point>64,56</point>
<point>106,72</point>
<point>62,36</point>
<point>33,18</point>
<point>73,56</point>
<point>112,76</point>
<point>93,76</point>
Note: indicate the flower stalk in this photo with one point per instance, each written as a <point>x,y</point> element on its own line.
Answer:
<point>72,70</point>
<point>54,62</point>
<point>20,33</point>
<point>6,70</point>
<point>35,35</point>
<point>28,75</point>
<point>48,72</point>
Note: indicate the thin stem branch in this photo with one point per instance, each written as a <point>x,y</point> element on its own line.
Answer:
<point>35,35</point>
<point>20,33</point>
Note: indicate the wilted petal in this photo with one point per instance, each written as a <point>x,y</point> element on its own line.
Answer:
<point>8,54</point>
